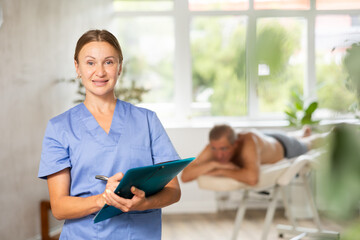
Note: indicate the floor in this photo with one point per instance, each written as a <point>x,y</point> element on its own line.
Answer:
<point>220,225</point>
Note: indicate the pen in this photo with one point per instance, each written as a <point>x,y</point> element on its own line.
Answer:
<point>101,177</point>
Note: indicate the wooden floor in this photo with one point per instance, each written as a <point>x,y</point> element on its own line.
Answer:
<point>219,226</point>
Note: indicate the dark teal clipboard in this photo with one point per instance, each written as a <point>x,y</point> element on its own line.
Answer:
<point>150,179</point>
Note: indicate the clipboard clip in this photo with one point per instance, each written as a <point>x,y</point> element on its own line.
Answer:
<point>158,169</point>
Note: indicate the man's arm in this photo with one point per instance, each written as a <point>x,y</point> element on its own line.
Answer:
<point>203,165</point>
<point>200,166</point>
<point>249,158</point>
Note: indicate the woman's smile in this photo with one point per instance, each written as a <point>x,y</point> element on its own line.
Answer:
<point>100,83</point>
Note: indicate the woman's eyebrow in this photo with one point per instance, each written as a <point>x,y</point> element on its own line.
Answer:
<point>104,58</point>
<point>109,57</point>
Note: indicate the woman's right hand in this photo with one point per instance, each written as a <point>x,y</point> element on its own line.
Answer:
<point>111,185</point>
<point>113,181</point>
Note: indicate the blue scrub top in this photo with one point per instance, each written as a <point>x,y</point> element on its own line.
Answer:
<point>75,140</point>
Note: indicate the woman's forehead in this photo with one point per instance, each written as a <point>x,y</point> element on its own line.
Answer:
<point>98,50</point>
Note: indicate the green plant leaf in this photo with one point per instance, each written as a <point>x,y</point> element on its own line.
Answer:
<point>291,114</point>
<point>296,114</point>
<point>311,108</point>
<point>299,106</point>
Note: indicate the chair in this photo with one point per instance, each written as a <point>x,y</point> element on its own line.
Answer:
<point>276,177</point>
<point>44,215</point>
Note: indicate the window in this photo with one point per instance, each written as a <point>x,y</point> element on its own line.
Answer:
<point>218,66</point>
<point>238,58</point>
<point>281,46</point>
<point>143,5</point>
<point>337,4</point>
<point>282,4</point>
<point>334,35</point>
<point>148,47</point>
<point>145,30</point>
<point>226,5</point>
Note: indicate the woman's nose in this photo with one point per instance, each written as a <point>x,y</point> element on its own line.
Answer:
<point>100,71</point>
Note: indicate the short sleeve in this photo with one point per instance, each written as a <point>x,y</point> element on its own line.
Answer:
<point>162,148</point>
<point>55,153</point>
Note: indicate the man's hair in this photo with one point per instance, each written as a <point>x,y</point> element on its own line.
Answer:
<point>219,131</point>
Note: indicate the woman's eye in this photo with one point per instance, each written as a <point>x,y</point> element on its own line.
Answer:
<point>90,63</point>
<point>108,62</point>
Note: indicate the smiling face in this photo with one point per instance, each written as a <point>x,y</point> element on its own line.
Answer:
<point>222,149</point>
<point>99,67</point>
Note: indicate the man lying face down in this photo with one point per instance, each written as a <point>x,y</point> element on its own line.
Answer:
<point>239,156</point>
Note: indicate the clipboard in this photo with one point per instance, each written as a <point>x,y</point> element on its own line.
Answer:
<point>150,179</point>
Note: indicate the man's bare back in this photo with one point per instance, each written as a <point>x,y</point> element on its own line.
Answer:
<point>269,149</point>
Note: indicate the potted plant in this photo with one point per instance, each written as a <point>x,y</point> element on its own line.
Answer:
<point>298,112</point>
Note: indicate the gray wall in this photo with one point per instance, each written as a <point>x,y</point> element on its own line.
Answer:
<point>37,40</point>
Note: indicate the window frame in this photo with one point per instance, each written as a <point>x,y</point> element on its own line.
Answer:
<point>182,17</point>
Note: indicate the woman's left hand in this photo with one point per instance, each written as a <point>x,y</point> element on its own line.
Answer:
<point>136,203</point>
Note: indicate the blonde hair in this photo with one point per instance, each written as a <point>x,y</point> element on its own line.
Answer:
<point>97,36</point>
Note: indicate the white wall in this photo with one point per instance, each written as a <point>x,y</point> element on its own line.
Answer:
<point>188,143</point>
<point>37,41</point>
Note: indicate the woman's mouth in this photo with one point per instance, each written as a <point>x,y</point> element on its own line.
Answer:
<point>100,83</point>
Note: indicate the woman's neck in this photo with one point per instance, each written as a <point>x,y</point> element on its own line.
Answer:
<point>100,104</point>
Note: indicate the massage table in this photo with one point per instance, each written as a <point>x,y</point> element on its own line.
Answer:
<point>275,177</point>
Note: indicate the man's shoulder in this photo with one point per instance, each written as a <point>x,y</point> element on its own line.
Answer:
<point>251,131</point>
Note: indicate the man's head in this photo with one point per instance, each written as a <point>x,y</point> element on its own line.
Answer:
<point>222,142</point>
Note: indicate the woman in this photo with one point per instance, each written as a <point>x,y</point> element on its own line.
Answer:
<point>104,136</point>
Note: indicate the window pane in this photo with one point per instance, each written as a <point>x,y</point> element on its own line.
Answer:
<point>143,5</point>
<point>280,53</point>
<point>334,34</point>
<point>282,4</point>
<point>227,5</point>
<point>218,65</point>
<point>337,4</point>
<point>148,49</point>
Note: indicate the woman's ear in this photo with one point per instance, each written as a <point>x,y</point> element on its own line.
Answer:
<point>77,68</point>
<point>120,69</point>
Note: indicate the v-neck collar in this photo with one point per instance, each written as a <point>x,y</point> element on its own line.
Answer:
<point>117,124</point>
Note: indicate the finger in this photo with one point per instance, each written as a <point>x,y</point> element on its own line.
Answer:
<point>137,192</point>
<point>117,177</point>
<point>112,202</point>
<point>104,198</point>
<point>112,186</point>
<point>116,201</point>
